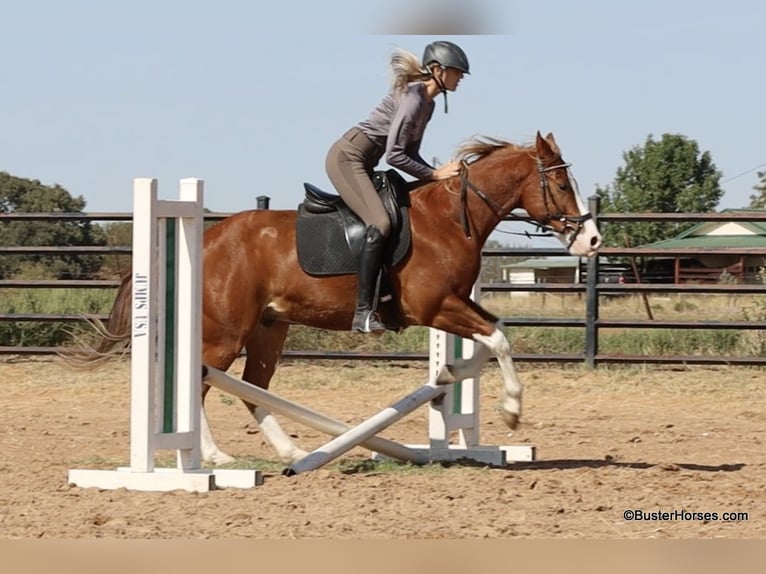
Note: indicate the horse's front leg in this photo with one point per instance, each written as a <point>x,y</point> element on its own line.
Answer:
<point>468,320</point>
<point>498,345</point>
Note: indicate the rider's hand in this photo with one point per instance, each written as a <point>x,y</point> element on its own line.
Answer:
<point>447,170</point>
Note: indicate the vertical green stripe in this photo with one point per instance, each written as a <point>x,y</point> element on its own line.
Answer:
<point>457,401</point>
<point>168,423</point>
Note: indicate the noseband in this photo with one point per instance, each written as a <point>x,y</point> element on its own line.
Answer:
<point>571,222</point>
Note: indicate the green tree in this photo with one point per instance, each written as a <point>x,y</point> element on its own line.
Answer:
<point>118,234</point>
<point>31,196</point>
<point>758,200</point>
<point>665,176</point>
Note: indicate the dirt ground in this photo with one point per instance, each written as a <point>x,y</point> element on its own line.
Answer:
<point>649,438</point>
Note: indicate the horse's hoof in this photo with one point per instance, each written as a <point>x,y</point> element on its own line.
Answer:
<point>510,419</point>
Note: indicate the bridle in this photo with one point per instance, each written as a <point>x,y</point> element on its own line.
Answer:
<point>571,222</point>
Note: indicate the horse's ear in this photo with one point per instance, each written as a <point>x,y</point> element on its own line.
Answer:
<point>554,146</point>
<point>544,149</point>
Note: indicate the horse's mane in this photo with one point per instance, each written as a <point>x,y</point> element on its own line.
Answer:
<point>481,146</point>
<point>474,149</point>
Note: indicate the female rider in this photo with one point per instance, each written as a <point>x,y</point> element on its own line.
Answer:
<point>394,131</point>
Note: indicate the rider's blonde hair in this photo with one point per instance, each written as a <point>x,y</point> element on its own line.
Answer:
<point>405,68</point>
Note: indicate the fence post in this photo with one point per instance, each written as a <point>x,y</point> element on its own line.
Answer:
<point>262,201</point>
<point>591,296</point>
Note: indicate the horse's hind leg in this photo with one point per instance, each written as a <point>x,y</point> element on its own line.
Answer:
<point>264,349</point>
<point>220,356</point>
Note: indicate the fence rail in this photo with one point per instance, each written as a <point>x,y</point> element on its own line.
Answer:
<point>591,289</point>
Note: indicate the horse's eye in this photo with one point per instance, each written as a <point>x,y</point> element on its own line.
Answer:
<point>564,186</point>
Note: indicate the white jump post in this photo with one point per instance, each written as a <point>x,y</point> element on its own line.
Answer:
<point>459,413</point>
<point>166,349</point>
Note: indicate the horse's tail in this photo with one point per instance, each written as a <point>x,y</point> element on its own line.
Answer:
<point>112,338</point>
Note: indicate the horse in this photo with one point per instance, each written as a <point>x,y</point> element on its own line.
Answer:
<point>254,287</point>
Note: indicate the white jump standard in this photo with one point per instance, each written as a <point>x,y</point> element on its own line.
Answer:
<point>166,343</point>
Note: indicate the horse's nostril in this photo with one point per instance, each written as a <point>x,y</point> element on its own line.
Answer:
<point>595,241</point>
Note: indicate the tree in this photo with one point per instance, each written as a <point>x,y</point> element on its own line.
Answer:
<point>31,196</point>
<point>665,176</point>
<point>758,200</point>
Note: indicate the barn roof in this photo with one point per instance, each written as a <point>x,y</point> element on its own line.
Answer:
<point>716,234</point>
<point>559,262</point>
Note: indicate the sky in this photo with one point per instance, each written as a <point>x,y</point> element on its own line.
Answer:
<point>249,96</point>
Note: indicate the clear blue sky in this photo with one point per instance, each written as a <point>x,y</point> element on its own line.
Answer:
<point>249,95</point>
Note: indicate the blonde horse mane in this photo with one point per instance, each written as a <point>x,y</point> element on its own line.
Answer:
<point>481,146</point>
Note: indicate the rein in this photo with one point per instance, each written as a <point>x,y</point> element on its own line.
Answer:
<point>571,222</point>
<point>466,185</point>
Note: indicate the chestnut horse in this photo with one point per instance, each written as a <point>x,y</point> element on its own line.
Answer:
<point>254,287</point>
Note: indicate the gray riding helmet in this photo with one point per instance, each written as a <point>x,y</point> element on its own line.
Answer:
<point>446,54</point>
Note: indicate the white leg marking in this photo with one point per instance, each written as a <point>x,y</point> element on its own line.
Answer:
<point>471,367</point>
<point>210,451</point>
<point>512,387</point>
<point>286,449</point>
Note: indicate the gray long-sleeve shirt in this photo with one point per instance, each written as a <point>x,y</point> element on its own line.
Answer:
<point>397,125</point>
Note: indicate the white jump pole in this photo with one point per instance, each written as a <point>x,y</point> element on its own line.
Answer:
<point>364,431</point>
<point>304,415</point>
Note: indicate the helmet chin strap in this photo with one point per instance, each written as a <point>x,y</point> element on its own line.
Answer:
<point>442,88</point>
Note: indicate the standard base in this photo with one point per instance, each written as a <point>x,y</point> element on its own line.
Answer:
<point>490,455</point>
<point>166,479</point>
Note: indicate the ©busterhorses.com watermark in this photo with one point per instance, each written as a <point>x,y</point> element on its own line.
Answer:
<point>637,515</point>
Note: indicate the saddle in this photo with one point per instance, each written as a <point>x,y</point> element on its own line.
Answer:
<point>329,235</point>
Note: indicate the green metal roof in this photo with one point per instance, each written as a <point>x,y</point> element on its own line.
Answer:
<point>563,262</point>
<point>699,236</point>
<point>701,241</point>
<point>705,227</point>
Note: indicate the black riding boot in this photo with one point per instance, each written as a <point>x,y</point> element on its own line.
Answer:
<point>370,260</point>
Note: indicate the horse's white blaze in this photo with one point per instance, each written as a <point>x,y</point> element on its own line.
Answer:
<point>498,345</point>
<point>588,240</point>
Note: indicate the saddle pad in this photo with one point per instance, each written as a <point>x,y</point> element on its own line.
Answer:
<point>324,250</point>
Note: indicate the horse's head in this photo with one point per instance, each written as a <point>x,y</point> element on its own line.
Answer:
<point>550,196</point>
<point>505,176</point>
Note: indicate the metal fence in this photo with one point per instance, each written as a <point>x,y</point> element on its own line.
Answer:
<point>591,288</point>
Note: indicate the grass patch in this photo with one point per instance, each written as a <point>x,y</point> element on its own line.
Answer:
<point>252,463</point>
<point>48,302</point>
<point>385,466</point>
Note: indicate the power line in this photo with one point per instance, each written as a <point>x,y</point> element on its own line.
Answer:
<point>744,173</point>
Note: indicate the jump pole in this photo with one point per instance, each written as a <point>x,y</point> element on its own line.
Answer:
<point>354,436</point>
<point>166,347</point>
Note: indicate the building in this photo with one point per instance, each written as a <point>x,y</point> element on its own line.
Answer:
<point>700,267</point>
<point>563,269</point>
